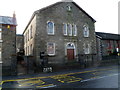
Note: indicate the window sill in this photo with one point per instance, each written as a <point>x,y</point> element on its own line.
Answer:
<point>86,37</point>
<point>51,55</point>
<point>1,62</point>
<point>1,41</point>
<point>51,34</point>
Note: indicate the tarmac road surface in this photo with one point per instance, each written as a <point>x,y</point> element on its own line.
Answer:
<point>102,77</point>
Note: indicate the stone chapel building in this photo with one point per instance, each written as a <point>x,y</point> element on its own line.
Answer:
<point>64,31</point>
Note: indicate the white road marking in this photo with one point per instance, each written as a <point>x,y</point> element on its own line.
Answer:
<point>98,78</point>
<point>49,86</point>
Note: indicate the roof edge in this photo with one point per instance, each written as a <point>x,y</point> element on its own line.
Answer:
<point>55,4</point>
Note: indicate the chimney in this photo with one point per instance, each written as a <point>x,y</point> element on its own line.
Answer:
<point>14,15</point>
<point>14,19</point>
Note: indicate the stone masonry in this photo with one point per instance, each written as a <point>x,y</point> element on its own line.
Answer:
<point>58,14</point>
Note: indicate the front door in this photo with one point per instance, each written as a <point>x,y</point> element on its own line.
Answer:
<point>70,54</point>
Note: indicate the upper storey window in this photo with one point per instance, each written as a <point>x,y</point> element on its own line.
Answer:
<point>65,29</point>
<point>74,30</point>
<point>86,31</point>
<point>31,31</point>
<point>69,29</point>
<point>50,28</point>
<point>69,8</point>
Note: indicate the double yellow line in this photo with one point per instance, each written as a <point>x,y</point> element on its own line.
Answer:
<point>53,75</point>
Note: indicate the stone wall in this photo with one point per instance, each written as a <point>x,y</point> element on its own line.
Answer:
<point>8,49</point>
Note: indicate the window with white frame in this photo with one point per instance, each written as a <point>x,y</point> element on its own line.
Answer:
<point>31,50</point>
<point>50,28</point>
<point>65,29</point>
<point>24,39</point>
<point>69,8</point>
<point>69,29</point>
<point>0,33</point>
<point>86,31</point>
<point>28,34</point>
<point>0,56</point>
<point>87,48</point>
<point>74,30</point>
<point>31,32</point>
<point>51,48</point>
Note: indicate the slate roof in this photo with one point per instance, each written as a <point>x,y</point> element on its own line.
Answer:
<point>8,20</point>
<point>109,36</point>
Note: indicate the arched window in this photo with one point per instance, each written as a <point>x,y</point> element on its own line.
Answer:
<point>65,29</point>
<point>69,29</point>
<point>86,31</point>
<point>50,28</point>
<point>87,48</point>
<point>69,8</point>
<point>31,31</point>
<point>74,30</point>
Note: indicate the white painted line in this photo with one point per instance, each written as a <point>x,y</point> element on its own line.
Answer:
<point>98,78</point>
<point>49,86</point>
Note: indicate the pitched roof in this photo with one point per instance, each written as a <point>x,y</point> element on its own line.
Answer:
<point>8,20</point>
<point>64,1</point>
<point>109,36</point>
<point>57,3</point>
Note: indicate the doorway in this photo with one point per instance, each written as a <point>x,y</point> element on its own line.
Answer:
<point>70,51</point>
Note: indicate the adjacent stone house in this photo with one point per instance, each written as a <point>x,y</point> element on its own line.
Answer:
<point>64,31</point>
<point>8,44</point>
<point>107,43</point>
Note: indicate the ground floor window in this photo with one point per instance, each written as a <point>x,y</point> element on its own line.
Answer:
<point>51,48</point>
<point>87,48</point>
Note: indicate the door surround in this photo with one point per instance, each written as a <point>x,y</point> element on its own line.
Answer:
<point>70,51</point>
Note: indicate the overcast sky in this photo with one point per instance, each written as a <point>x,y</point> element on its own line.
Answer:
<point>105,12</point>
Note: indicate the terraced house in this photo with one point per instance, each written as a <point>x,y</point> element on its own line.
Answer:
<point>8,44</point>
<point>64,31</point>
<point>108,44</point>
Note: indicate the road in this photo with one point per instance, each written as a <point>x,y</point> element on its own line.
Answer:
<point>102,77</point>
